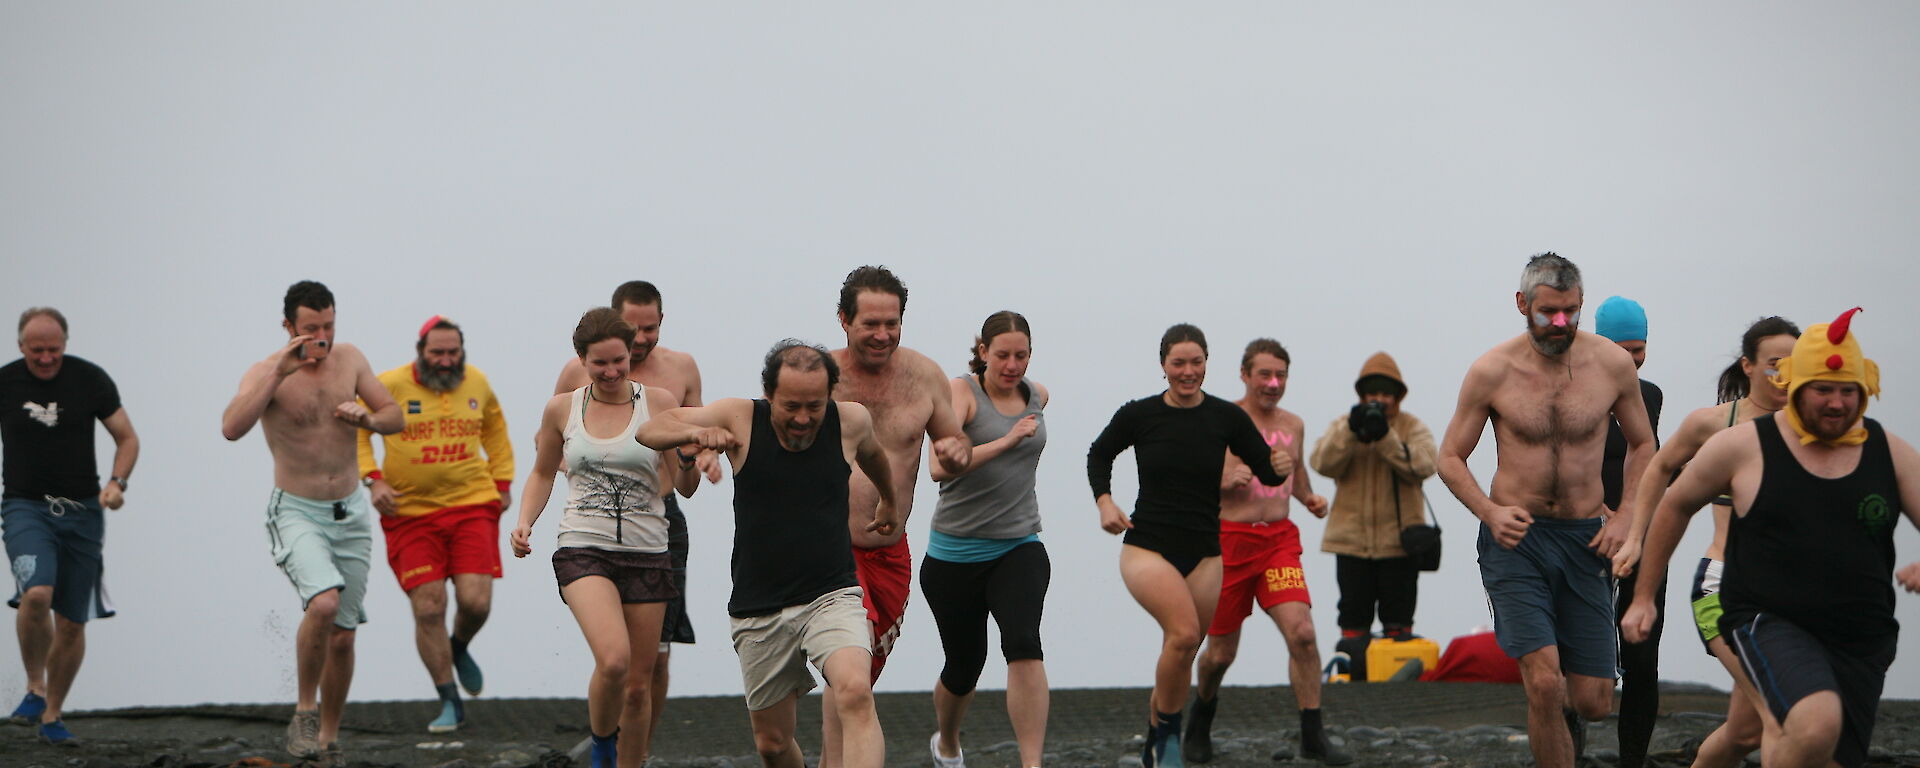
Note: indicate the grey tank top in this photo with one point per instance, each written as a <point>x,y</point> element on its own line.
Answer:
<point>995,500</point>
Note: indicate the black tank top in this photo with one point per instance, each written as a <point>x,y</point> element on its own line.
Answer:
<point>790,540</point>
<point>1814,551</point>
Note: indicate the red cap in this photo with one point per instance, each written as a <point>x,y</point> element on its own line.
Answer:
<point>430,323</point>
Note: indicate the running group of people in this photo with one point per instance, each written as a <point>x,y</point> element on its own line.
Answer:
<point>821,570</point>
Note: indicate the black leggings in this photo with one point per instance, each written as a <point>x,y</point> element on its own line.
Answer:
<point>1639,677</point>
<point>1012,588</point>
<point>1392,584</point>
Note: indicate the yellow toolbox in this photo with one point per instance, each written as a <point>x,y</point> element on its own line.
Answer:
<point>1385,656</point>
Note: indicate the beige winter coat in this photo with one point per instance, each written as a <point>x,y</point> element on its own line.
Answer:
<point>1362,523</point>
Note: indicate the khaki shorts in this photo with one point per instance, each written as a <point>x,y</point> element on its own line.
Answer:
<point>774,649</point>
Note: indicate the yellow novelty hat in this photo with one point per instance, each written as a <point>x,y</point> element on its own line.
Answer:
<point>1829,352</point>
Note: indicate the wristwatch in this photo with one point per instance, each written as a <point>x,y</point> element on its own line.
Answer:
<point>366,481</point>
<point>684,458</point>
<point>121,480</point>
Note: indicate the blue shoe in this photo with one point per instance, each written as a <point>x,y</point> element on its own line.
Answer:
<point>56,733</point>
<point>30,709</point>
<point>604,753</point>
<point>448,721</point>
<point>465,668</point>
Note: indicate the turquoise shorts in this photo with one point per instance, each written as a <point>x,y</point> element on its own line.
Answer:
<point>324,545</point>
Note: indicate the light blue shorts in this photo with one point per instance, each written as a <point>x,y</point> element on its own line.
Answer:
<point>324,545</point>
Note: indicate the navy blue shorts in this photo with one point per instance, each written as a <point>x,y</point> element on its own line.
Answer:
<point>1552,590</point>
<point>58,544</point>
<point>1787,664</point>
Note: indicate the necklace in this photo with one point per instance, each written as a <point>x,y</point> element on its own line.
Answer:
<point>596,398</point>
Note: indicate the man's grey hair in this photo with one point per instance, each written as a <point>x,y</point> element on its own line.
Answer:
<point>48,312</point>
<point>1550,270</point>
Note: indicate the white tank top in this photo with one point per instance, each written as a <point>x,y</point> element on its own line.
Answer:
<point>613,484</point>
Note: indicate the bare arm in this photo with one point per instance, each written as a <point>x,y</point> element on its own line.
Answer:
<point>951,449</point>
<point>1463,435</point>
<point>680,469</point>
<point>572,376</point>
<point>548,448</point>
<point>257,388</point>
<point>963,407</point>
<point>1710,471</point>
<point>126,450</point>
<point>709,426</point>
<point>1679,449</point>
<point>385,417</point>
<point>872,459</point>
<point>1630,410</point>
<point>1906,472</point>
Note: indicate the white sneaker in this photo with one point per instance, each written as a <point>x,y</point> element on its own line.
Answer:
<point>957,761</point>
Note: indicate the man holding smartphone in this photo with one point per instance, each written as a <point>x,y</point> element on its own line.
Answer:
<point>307,398</point>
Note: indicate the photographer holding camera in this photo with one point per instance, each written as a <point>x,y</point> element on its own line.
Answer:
<point>1377,456</point>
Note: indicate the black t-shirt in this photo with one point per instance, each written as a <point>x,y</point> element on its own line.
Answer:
<point>790,539</point>
<point>46,428</point>
<point>1614,464</point>
<point>1180,453</point>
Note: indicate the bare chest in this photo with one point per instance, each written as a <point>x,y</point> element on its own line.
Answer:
<point>308,399</point>
<point>1553,409</point>
<point>900,407</point>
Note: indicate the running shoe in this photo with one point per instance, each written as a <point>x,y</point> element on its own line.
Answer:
<point>448,721</point>
<point>30,709</point>
<point>303,735</point>
<point>467,670</point>
<point>331,757</point>
<point>959,759</point>
<point>56,733</point>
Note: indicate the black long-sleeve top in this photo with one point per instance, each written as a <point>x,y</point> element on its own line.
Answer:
<point>1180,453</point>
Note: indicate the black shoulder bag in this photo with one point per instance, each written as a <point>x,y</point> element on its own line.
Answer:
<point>1421,541</point>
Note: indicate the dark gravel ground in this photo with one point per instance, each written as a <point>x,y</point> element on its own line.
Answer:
<point>1382,724</point>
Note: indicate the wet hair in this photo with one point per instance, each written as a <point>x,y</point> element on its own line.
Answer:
<point>1179,333</point>
<point>440,324</point>
<point>33,312</point>
<point>869,278</point>
<point>1733,381</point>
<point>1261,347</point>
<point>598,325</point>
<point>636,292</point>
<point>1550,270</point>
<point>800,356</point>
<point>309,294</point>
<point>1004,321</point>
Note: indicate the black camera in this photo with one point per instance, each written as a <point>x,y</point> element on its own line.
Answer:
<point>1368,421</point>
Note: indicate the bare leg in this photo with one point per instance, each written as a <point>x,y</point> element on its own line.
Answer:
<point>773,734</point>
<point>1546,694</point>
<point>949,709</point>
<point>643,639</point>
<point>660,680</point>
<point>829,728</point>
<point>310,648</point>
<point>1027,705</point>
<point>1744,728</point>
<point>63,663</point>
<point>1809,734</point>
<point>335,678</point>
<point>1220,652</point>
<point>429,602</point>
<point>473,603</point>
<point>34,626</point>
<point>1182,607</point>
<point>1295,621</point>
<point>595,603</point>
<point>850,671</point>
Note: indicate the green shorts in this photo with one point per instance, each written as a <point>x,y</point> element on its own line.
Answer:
<point>324,545</point>
<point>1706,601</point>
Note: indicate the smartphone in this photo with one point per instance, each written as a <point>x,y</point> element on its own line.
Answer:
<point>318,344</point>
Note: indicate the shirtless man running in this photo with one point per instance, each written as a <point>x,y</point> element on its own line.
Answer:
<point>909,398</point>
<point>1544,545</point>
<point>307,398</point>
<point>1260,552</point>
<point>675,373</point>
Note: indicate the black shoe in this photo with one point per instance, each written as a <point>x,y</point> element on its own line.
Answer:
<point>1197,746</point>
<point>1317,747</point>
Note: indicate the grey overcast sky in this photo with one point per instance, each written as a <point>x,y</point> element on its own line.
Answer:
<point>1344,179</point>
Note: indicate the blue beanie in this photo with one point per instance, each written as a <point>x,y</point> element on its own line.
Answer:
<point>1621,320</point>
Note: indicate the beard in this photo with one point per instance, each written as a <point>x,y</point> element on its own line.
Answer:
<point>1816,420</point>
<point>441,378</point>
<point>1547,342</point>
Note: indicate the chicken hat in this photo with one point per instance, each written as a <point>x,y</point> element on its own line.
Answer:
<point>1829,352</point>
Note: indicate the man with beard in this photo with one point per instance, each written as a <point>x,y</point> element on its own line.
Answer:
<point>674,372</point>
<point>796,599</point>
<point>1546,534</point>
<point>440,503</point>
<point>910,399</point>
<point>1806,595</point>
